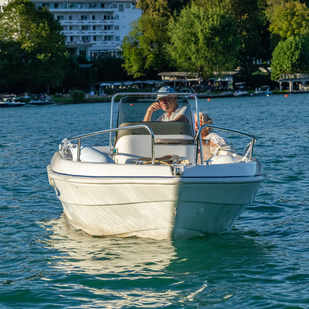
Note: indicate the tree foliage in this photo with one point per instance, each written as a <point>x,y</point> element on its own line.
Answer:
<point>251,24</point>
<point>144,49</point>
<point>37,39</point>
<point>290,19</point>
<point>77,96</point>
<point>203,40</point>
<point>152,6</point>
<point>290,56</point>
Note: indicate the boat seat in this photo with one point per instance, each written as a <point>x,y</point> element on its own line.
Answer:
<point>90,154</point>
<point>158,128</point>
<point>222,159</point>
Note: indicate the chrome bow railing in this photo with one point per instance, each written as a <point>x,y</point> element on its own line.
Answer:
<point>199,141</point>
<point>138,126</point>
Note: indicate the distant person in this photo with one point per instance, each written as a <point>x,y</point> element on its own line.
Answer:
<point>167,101</point>
<point>210,141</point>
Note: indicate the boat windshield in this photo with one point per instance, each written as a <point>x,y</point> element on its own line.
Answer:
<point>134,108</point>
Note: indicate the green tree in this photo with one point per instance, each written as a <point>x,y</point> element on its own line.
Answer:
<point>37,36</point>
<point>144,48</point>
<point>251,24</point>
<point>272,4</point>
<point>290,19</point>
<point>251,27</point>
<point>290,56</point>
<point>203,41</point>
<point>151,6</point>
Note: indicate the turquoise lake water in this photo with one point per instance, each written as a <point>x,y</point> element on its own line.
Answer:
<point>263,262</point>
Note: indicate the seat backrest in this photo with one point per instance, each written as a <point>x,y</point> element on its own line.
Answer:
<point>158,128</point>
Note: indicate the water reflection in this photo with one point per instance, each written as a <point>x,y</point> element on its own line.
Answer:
<point>120,272</point>
<point>98,255</point>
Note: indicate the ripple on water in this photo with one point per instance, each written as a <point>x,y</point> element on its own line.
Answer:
<point>263,262</point>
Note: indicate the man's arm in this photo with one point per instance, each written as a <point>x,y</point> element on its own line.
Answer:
<point>152,108</point>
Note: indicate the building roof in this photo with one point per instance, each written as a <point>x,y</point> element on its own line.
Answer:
<point>184,74</point>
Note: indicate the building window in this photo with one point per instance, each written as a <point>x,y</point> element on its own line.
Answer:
<point>85,38</point>
<point>56,5</point>
<point>93,17</point>
<point>83,28</point>
<point>79,6</point>
<point>59,17</point>
<point>116,27</point>
<point>108,28</point>
<point>94,28</point>
<point>114,5</point>
<point>107,17</point>
<point>117,38</point>
<point>108,38</point>
<point>116,17</point>
<point>92,5</point>
<point>127,5</point>
<point>70,5</point>
<point>94,38</point>
<point>71,28</point>
<point>71,38</point>
<point>70,17</point>
<point>83,17</point>
<point>45,5</point>
<point>121,7</point>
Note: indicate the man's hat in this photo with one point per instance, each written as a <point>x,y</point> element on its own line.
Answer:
<point>166,90</point>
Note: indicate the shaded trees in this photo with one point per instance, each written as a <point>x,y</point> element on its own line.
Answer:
<point>291,56</point>
<point>40,48</point>
<point>252,29</point>
<point>203,40</point>
<point>290,27</point>
<point>144,49</point>
<point>290,19</point>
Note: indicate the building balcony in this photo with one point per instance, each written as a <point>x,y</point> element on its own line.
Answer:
<point>83,10</point>
<point>79,43</point>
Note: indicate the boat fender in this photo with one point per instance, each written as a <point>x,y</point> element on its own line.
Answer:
<point>222,159</point>
<point>90,154</point>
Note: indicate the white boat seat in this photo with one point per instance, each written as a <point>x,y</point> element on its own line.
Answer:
<point>90,154</point>
<point>222,159</point>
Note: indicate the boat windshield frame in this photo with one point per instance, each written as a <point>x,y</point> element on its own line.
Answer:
<point>144,94</point>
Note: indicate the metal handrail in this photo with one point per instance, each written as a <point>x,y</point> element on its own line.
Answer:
<point>223,129</point>
<point>138,126</point>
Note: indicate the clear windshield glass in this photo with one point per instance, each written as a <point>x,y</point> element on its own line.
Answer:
<point>134,108</point>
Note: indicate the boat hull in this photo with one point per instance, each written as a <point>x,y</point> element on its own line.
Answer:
<point>160,208</point>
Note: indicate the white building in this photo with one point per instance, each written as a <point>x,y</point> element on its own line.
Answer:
<point>93,27</point>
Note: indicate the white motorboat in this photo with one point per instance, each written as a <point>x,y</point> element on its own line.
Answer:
<point>262,91</point>
<point>11,102</point>
<point>240,93</point>
<point>39,102</point>
<point>148,181</point>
